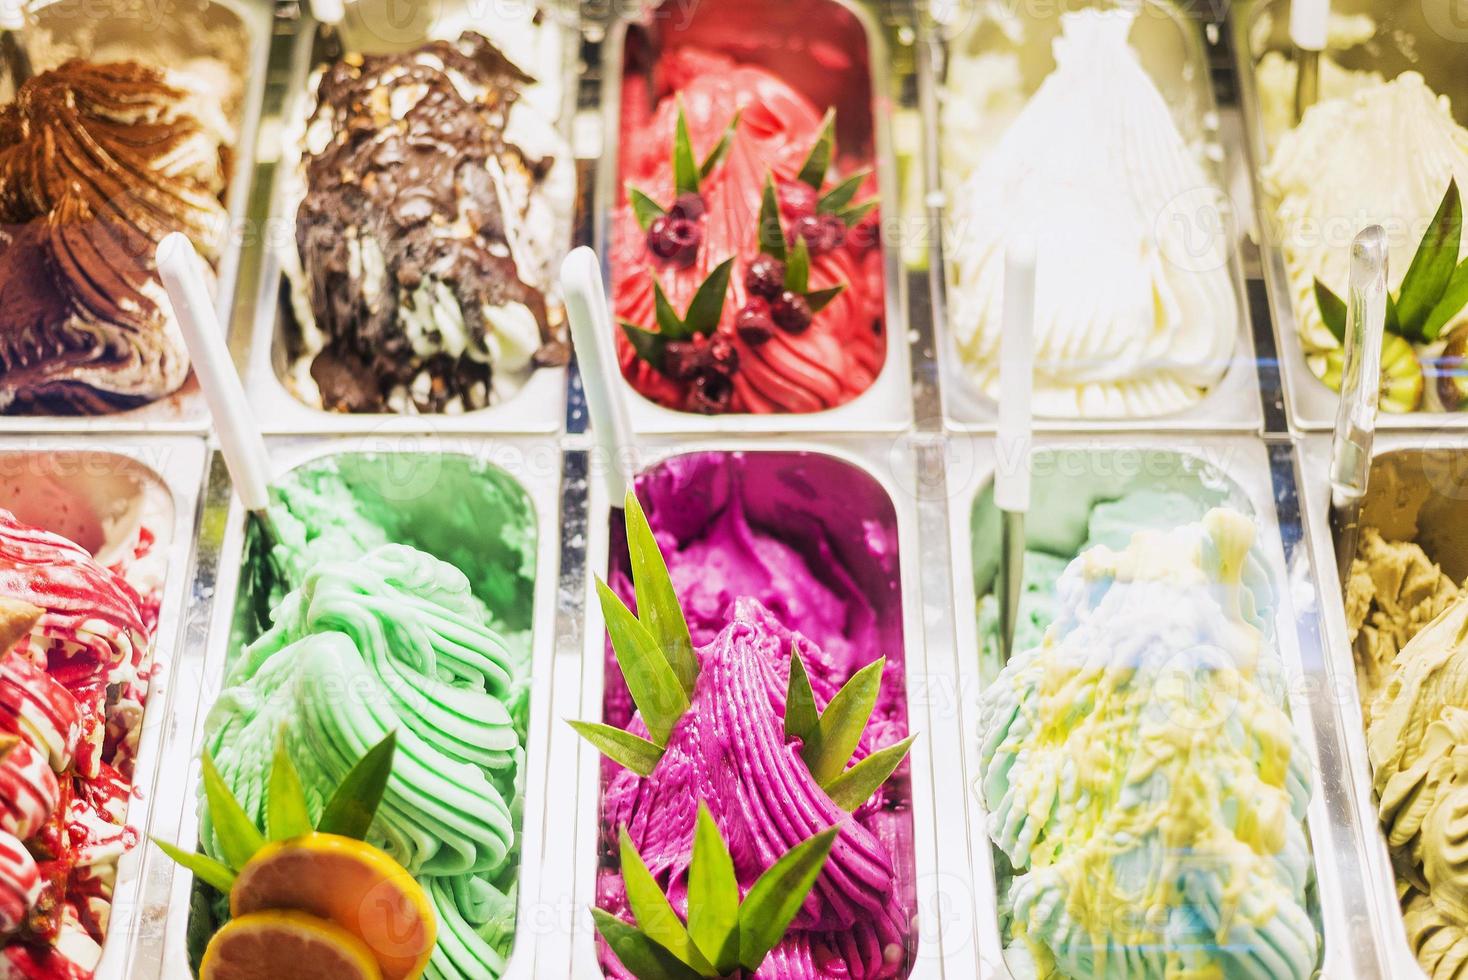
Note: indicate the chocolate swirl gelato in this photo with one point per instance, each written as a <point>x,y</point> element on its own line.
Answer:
<point>97,163</point>
<point>434,199</point>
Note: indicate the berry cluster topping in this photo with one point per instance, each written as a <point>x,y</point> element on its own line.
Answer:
<point>675,233</point>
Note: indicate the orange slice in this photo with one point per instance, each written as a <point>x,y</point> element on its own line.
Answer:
<point>351,883</point>
<point>285,945</point>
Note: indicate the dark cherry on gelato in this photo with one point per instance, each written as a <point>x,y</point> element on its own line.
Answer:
<point>98,162</point>
<point>427,230</point>
<point>747,129</point>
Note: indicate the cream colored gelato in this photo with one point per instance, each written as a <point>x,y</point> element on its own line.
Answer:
<point>1136,313</point>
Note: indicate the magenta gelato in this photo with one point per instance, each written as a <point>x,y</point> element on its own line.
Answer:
<point>765,565</point>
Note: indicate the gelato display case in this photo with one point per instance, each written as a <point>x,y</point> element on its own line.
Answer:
<point>99,535</point>
<point>1393,636</point>
<point>91,344</point>
<point>414,551</point>
<point>432,301</point>
<point>1394,65</point>
<point>1090,130</point>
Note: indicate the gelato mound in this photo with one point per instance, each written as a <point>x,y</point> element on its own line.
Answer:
<point>1135,309</point>
<point>1141,773</point>
<point>432,202</point>
<point>98,162</point>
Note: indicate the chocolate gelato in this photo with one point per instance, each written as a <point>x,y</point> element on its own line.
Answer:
<point>433,200</point>
<point>97,163</point>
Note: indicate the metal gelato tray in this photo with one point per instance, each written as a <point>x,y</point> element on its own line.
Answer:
<point>237,34</point>
<point>786,37</point>
<point>1425,499</point>
<point>539,405</point>
<point>1071,474</point>
<point>409,466</point>
<point>1170,45</point>
<point>796,478</point>
<point>1430,37</point>
<point>101,493</point>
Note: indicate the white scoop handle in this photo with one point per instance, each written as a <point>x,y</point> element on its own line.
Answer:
<point>1309,24</point>
<point>591,333</point>
<point>1016,378</point>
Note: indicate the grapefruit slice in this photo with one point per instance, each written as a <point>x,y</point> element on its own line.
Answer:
<point>286,945</point>
<point>351,883</point>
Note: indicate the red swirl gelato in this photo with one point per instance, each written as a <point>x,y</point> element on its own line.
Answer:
<point>806,365</point>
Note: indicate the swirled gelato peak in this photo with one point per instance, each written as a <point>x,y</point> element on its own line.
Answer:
<point>97,163</point>
<point>1141,775</point>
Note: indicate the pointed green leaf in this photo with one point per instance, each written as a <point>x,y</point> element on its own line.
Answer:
<point>205,868</point>
<point>655,917</point>
<point>819,299</point>
<point>351,808</point>
<point>713,896</point>
<point>657,603</point>
<point>852,217</point>
<point>801,716</point>
<point>1393,317</point>
<point>722,148</point>
<point>685,170</point>
<point>707,306</point>
<point>644,958</point>
<point>813,171</point>
<point>856,785</point>
<point>830,746</point>
<point>797,269</point>
<point>625,749</point>
<point>238,836</point>
<point>777,896</point>
<point>644,208</point>
<point>771,233</point>
<point>286,815</point>
<point>1454,301</point>
<point>648,345</point>
<point>1332,311</point>
<point>670,324</point>
<point>1432,266</point>
<point>650,678</point>
<point>837,198</point>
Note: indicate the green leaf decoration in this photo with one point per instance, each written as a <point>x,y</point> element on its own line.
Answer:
<point>1332,311</point>
<point>351,808</point>
<point>286,815</point>
<point>819,299</point>
<point>657,603</point>
<point>1432,265</point>
<point>837,198</point>
<point>670,324</point>
<point>797,270</point>
<point>644,208</point>
<point>655,917</point>
<point>856,785</point>
<point>713,896</point>
<point>801,716</point>
<point>239,839</point>
<point>813,171</point>
<point>639,954</point>
<point>685,170</point>
<point>721,150</point>
<point>1393,317</point>
<point>625,749</point>
<point>852,217</point>
<point>777,896</point>
<point>707,306</point>
<point>771,233</point>
<point>1453,302</point>
<point>205,868</point>
<point>648,345</point>
<point>829,747</point>
<point>650,678</point>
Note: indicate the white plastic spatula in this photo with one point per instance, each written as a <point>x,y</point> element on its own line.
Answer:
<point>1016,389</point>
<point>591,334</point>
<point>1309,26</point>
<point>1355,423</point>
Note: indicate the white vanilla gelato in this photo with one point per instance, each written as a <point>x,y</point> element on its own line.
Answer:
<point>1136,313</point>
